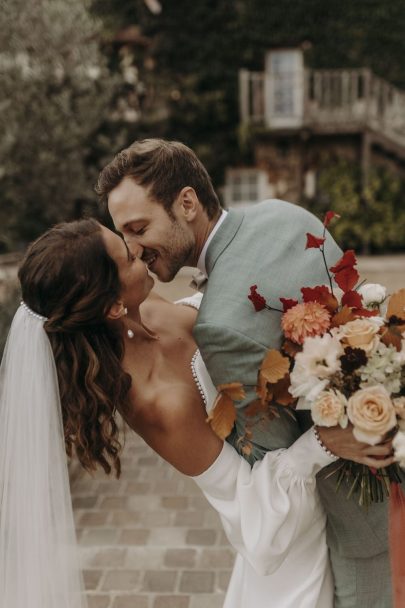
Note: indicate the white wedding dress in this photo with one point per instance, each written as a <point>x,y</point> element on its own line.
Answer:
<point>272,516</point>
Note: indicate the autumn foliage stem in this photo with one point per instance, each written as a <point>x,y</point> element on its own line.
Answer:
<point>272,308</point>
<point>322,250</point>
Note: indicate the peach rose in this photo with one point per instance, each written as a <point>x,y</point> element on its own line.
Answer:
<point>329,409</point>
<point>372,414</point>
<point>360,333</point>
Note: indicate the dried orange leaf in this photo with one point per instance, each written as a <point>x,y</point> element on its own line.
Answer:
<point>291,348</point>
<point>223,415</point>
<point>396,306</point>
<point>392,337</point>
<point>234,390</point>
<point>274,366</point>
<point>343,316</point>
<point>255,407</point>
<point>280,391</point>
<point>261,388</point>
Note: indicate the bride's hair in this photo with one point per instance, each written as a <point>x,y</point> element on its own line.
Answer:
<point>68,277</point>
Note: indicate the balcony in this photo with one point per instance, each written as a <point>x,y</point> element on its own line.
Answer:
<point>323,101</point>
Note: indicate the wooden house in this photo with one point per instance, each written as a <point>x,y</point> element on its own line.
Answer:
<point>299,118</point>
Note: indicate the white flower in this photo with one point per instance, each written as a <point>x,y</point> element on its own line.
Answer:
<point>398,444</point>
<point>373,295</point>
<point>313,366</point>
<point>399,405</point>
<point>383,368</point>
<point>400,357</point>
<point>329,409</point>
<point>306,386</point>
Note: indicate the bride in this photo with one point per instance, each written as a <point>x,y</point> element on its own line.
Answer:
<point>90,340</point>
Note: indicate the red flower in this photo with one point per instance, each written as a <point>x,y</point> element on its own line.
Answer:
<point>352,299</point>
<point>322,295</point>
<point>314,242</point>
<point>258,301</point>
<point>348,260</point>
<point>346,276</point>
<point>288,303</point>
<point>329,215</point>
<point>315,294</point>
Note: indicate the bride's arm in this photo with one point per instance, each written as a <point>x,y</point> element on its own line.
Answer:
<point>264,509</point>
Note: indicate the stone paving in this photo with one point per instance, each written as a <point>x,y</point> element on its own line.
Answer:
<point>149,539</point>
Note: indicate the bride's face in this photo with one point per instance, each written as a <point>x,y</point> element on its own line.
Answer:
<point>135,280</point>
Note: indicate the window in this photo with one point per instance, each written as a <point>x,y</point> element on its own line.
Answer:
<point>284,88</point>
<point>246,186</point>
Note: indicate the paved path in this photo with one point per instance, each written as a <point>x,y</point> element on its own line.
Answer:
<point>149,539</point>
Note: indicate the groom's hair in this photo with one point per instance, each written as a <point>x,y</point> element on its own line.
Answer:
<point>164,167</point>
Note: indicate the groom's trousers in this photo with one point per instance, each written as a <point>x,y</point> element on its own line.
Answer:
<point>364,583</point>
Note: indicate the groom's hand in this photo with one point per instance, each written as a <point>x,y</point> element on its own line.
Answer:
<point>342,443</point>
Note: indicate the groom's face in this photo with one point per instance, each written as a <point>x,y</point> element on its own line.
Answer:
<point>168,243</point>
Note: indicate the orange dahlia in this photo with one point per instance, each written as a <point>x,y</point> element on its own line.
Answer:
<point>304,320</point>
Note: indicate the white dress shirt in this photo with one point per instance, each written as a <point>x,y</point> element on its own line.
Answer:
<point>201,260</point>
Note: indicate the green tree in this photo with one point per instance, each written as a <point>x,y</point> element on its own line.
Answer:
<point>365,33</point>
<point>369,223</point>
<point>191,64</point>
<point>55,92</point>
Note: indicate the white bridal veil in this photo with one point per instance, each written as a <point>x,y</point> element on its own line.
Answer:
<point>39,565</point>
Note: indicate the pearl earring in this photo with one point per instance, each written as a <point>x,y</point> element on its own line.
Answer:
<point>130,333</point>
<point>125,311</point>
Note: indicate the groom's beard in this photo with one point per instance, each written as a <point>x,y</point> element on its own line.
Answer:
<point>173,255</point>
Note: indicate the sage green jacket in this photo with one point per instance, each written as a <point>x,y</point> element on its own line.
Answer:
<point>265,246</point>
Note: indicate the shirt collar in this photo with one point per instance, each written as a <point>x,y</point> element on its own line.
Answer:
<point>201,260</point>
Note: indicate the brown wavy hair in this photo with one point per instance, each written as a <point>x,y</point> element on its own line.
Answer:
<point>164,167</point>
<point>68,277</point>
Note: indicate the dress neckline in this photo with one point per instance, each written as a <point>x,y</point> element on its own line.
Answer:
<point>196,378</point>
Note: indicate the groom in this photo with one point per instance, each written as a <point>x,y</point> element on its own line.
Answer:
<point>160,196</point>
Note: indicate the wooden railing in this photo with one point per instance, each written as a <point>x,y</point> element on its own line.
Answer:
<point>335,99</point>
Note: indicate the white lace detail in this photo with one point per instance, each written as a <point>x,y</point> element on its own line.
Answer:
<point>199,371</point>
<point>196,378</point>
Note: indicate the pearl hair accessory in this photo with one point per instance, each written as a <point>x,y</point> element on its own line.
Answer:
<point>32,313</point>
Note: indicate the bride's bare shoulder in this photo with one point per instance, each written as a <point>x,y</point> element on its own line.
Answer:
<point>155,307</point>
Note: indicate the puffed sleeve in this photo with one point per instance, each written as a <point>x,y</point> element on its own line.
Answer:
<point>265,509</point>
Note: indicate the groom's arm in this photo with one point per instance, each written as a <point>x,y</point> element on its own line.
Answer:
<point>230,356</point>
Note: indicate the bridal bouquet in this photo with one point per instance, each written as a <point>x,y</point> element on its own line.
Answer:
<point>343,357</point>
